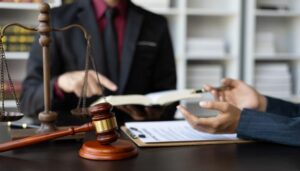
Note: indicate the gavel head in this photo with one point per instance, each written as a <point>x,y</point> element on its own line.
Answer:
<point>104,122</point>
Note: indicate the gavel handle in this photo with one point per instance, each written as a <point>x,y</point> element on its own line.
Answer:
<point>11,145</point>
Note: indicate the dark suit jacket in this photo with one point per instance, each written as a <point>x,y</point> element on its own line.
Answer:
<point>147,58</point>
<point>279,124</point>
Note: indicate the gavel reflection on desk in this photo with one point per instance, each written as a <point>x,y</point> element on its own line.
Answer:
<point>106,147</point>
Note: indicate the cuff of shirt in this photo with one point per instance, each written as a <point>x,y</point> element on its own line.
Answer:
<point>246,124</point>
<point>57,91</point>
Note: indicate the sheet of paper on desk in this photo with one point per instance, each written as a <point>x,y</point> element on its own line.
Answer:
<point>171,131</point>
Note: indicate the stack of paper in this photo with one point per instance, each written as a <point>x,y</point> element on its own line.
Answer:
<point>205,47</point>
<point>197,75</point>
<point>148,4</point>
<point>172,131</point>
<point>273,79</point>
<point>265,43</point>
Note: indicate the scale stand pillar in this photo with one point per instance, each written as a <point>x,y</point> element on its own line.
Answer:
<point>47,117</point>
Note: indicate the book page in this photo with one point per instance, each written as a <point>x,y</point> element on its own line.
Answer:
<point>172,131</point>
<point>165,97</point>
<point>125,100</point>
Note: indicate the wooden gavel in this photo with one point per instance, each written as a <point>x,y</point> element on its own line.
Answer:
<point>105,125</point>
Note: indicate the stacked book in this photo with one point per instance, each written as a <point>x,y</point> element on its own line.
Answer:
<point>265,43</point>
<point>148,4</point>
<point>273,79</point>
<point>273,4</point>
<point>198,75</point>
<point>205,47</point>
<point>17,39</point>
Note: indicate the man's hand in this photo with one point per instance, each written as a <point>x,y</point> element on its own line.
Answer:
<point>225,122</point>
<point>72,82</point>
<point>238,94</point>
<point>141,113</point>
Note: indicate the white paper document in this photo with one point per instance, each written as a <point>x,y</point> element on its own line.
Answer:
<point>171,131</point>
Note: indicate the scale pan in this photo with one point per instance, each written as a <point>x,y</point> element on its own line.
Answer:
<point>10,116</point>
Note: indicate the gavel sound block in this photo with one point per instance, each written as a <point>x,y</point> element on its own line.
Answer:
<point>106,147</point>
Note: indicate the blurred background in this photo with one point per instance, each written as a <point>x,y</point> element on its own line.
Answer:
<point>253,40</point>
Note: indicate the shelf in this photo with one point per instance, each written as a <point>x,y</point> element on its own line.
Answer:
<point>17,55</point>
<point>278,56</point>
<point>21,6</point>
<point>209,57</point>
<point>165,11</point>
<point>210,12</point>
<point>271,13</point>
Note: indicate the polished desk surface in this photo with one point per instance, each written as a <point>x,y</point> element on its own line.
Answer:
<point>63,155</point>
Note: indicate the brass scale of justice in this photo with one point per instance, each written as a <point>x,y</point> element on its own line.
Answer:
<point>107,146</point>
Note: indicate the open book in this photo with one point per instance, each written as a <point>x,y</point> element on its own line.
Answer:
<point>173,133</point>
<point>157,98</point>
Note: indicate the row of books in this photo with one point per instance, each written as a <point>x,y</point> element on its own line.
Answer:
<point>273,79</point>
<point>198,75</point>
<point>17,39</point>
<point>205,46</point>
<point>274,4</point>
<point>265,43</point>
<point>8,92</point>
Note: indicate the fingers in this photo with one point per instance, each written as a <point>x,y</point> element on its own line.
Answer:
<point>208,88</point>
<point>201,124</point>
<point>77,89</point>
<point>106,82</point>
<point>93,87</point>
<point>222,96</point>
<point>188,116</point>
<point>220,106</point>
<point>230,82</point>
<point>213,91</point>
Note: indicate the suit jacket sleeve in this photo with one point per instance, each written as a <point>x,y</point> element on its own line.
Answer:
<point>279,124</point>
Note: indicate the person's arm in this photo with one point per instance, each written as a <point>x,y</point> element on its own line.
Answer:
<point>281,107</point>
<point>69,83</point>
<point>265,126</point>
<point>248,124</point>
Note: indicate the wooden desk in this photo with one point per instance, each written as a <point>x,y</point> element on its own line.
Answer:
<point>62,156</point>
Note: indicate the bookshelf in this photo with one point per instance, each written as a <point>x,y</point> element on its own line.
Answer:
<point>278,22</point>
<point>24,13</point>
<point>219,22</point>
<point>207,19</point>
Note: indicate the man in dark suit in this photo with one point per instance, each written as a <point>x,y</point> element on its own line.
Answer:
<point>132,50</point>
<point>248,113</point>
